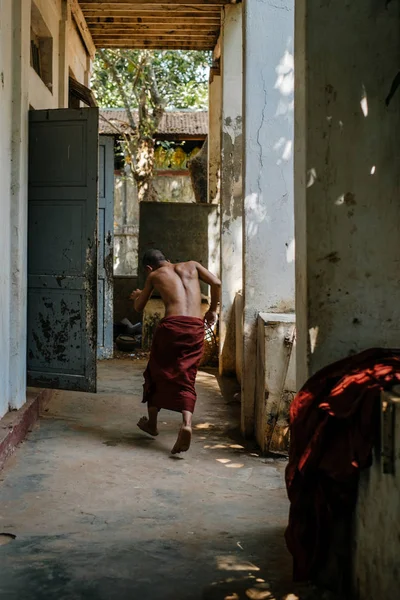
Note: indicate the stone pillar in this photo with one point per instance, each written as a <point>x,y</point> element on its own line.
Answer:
<point>214,134</point>
<point>268,223</point>
<point>347,178</point>
<point>19,201</point>
<point>231,181</point>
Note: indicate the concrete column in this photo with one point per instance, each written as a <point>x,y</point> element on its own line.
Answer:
<point>347,179</point>
<point>5,167</point>
<point>19,200</point>
<point>63,83</point>
<point>231,180</point>
<point>268,223</point>
<point>214,135</point>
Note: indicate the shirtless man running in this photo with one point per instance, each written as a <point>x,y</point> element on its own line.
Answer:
<point>178,342</point>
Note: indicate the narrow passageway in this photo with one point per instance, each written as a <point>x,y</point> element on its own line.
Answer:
<point>102,511</point>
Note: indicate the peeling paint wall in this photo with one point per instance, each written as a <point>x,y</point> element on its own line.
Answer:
<point>347,180</point>
<point>276,381</point>
<point>231,182</point>
<point>268,275</point>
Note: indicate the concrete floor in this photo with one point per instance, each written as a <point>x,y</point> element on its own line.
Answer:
<point>101,511</point>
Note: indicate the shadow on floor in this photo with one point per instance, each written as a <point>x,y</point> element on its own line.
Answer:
<point>101,512</point>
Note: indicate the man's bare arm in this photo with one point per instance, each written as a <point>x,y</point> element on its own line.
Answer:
<point>141,297</point>
<point>215,285</point>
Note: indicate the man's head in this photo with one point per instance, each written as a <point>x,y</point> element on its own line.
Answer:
<point>153,259</point>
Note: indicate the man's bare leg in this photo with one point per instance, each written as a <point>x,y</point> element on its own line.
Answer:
<point>182,444</point>
<point>149,425</point>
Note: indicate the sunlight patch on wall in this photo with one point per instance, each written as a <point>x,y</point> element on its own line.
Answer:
<point>313,333</point>
<point>311,177</point>
<point>290,252</point>
<point>364,102</point>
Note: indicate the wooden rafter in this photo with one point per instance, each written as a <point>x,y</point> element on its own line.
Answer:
<point>154,45</point>
<point>160,35</point>
<point>147,3</point>
<point>154,24</point>
<point>83,28</point>
<point>148,24</point>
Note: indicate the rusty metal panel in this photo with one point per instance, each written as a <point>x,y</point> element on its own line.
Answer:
<point>62,249</point>
<point>106,245</point>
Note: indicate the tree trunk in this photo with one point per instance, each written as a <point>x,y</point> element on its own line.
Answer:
<point>143,170</point>
<point>198,169</point>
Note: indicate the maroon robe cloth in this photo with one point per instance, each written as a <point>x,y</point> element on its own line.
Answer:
<point>334,422</point>
<point>176,351</point>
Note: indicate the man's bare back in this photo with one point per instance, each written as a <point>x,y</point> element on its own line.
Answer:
<point>179,288</point>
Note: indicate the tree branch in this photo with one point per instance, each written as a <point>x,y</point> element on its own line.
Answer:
<point>111,66</point>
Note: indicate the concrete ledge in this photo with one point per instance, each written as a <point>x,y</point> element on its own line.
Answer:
<point>15,425</point>
<point>275,379</point>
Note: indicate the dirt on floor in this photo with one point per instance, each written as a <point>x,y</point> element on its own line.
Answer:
<point>102,511</point>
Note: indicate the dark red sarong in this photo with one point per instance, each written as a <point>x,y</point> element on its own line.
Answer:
<point>334,422</point>
<point>176,351</point>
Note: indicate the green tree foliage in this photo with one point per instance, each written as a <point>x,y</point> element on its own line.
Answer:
<point>145,84</point>
<point>181,76</point>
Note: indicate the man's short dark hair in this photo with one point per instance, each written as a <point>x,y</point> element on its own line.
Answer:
<point>153,258</point>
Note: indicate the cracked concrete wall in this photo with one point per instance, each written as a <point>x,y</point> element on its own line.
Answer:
<point>231,182</point>
<point>268,267</point>
<point>347,174</point>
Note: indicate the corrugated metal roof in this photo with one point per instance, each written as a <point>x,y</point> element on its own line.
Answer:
<point>191,123</point>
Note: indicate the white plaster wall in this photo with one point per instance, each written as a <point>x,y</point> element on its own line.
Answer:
<point>19,87</point>
<point>231,181</point>
<point>347,180</point>
<point>268,175</point>
<point>78,59</point>
<point>5,183</point>
<point>19,200</point>
<point>39,95</point>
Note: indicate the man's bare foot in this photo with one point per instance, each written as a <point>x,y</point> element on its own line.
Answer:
<point>144,425</point>
<point>182,444</point>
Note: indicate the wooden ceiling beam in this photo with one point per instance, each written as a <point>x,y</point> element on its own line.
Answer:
<point>82,26</point>
<point>103,7</point>
<point>155,45</point>
<point>154,31</point>
<point>150,26</point>
<point>147,3</point>
<point>162,19</point>
<point>210,40</point>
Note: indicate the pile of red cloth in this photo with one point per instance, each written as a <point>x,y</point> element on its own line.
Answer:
<point>334,422</point>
